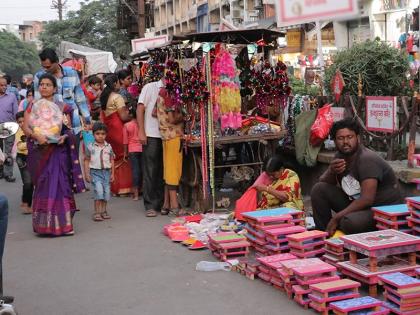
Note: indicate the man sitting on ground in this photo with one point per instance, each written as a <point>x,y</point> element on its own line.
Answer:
<point>356,180</point>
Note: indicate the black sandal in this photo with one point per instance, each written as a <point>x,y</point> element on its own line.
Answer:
<point>164,211</point>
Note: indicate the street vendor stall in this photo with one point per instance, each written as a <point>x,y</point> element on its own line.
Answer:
<point>85,59</point>
<point>221,132</point>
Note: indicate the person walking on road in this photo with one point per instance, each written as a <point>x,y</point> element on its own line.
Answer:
<point>55,170</point>
<point>69,89</point>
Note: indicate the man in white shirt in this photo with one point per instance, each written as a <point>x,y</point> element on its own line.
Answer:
<point>150,138</point>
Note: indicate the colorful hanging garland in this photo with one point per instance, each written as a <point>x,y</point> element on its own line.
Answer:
<point>187,93</point>
<point>226,90</point>
<point>270,84</point>
<point>154,71</point>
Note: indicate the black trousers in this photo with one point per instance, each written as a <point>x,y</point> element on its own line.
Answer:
<point>153,185</point>
<point>28,187</point>
<point>326,198</point>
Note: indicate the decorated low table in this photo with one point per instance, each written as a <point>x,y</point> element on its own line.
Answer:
<point>381,244</point>
<point>361,305</point>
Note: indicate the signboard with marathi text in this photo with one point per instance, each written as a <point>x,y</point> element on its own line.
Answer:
<point>302,11</point>
<point>381,113</point>
<point>143,44</point>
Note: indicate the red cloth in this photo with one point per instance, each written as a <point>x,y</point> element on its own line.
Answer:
<point>122,181</point>
<point>89,95</point>
<point>248,202</point>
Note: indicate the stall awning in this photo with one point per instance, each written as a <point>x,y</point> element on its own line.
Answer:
<point>236,36</point>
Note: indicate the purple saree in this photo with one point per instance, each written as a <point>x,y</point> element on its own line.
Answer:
<point>56,173</point>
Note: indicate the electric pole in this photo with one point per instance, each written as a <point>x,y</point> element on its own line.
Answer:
<point>141,18</point>
<point>59,5</point>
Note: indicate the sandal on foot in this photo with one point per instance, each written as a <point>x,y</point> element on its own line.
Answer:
<point>164,211</point>
<point>179,212</point>
<point>151,213</point>
<point>105,215</point>
<point>97,217</point>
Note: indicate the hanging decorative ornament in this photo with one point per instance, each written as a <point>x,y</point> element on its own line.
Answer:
<point>226,85</point>
<point>270,85</point>
<point>337,85</point>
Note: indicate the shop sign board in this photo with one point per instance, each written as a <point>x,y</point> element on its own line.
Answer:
<point>381,113</point>
<point>303,11</point>
<point>294,39</point>
<point>143,44</point>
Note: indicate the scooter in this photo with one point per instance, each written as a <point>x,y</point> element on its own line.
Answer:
<point>7,129</point>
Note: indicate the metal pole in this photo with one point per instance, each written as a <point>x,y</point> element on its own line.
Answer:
<point>320,53</point>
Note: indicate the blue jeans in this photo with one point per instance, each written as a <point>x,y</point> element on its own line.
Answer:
<point>136,162</point>
<point>4,212</point>
<point>101,183</point>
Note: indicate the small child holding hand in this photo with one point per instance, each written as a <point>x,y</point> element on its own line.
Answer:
<point>99,169</point>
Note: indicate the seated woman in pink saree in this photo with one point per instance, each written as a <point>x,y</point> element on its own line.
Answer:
<point>54,167</point>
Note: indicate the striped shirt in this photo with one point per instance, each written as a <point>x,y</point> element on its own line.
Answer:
<point>69,91</point>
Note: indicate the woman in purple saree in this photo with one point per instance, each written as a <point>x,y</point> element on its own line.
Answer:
<point>55,171</point>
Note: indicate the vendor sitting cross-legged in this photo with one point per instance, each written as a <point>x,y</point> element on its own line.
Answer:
<point>284,190</point>
<point>356,180</point>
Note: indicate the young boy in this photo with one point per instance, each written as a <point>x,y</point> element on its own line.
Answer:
<point>21,156</point>
<point>99,169</point>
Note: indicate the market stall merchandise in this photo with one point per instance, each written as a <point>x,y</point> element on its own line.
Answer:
<point>392,217</point>
<point>402,292</point>
<point>307,244</point>
<point>334,251</point>
<point>413,204</point>
<point>322,294</point>
<point>383,250</point>
<point>363,305</point>
<point>217,123</point>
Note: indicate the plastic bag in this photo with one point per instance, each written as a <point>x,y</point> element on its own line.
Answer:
<point>248,202</point>
<point>212,266</point>
<point>321,126</point>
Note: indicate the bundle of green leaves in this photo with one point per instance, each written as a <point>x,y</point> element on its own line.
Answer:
<point>383,69</point>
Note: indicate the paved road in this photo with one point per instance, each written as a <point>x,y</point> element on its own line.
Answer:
<point>124,266</point>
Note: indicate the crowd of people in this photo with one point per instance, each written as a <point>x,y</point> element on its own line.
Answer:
<point>103,131</point>
<point>128,144</point>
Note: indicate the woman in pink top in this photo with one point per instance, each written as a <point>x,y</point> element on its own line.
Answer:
<point>133,149</point>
